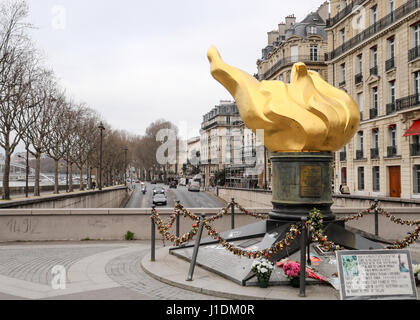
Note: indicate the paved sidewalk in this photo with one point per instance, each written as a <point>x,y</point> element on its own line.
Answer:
<point>94,271</point>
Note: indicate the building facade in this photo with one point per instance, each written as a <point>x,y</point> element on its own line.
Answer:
<point>215,136</point>
<point>374,55</point>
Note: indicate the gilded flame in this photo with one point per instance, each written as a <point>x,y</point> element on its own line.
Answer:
<point>306,115</point>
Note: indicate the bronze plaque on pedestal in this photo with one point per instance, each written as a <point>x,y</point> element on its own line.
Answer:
<point>310,181</point>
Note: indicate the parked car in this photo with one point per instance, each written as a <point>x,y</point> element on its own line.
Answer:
<point>153,182</point>
<point>160,199</point>
<point>158,190</point>
<point>173,185</point>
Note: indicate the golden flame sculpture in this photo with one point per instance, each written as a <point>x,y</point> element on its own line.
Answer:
<point>307,115</point>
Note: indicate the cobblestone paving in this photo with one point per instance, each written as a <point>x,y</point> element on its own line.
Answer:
<point>35,264</point>
<point>126,270</point>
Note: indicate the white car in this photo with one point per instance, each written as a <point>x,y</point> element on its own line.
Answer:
<point>194,186</point>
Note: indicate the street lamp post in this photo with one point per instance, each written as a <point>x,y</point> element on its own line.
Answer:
<point>125,165</point>
<point>101,128</point>
<point>26,174</point>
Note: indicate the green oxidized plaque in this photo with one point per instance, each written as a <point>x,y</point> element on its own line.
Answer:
<point>310,181</point>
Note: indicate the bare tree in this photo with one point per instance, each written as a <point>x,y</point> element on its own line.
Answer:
<point>18,69</point>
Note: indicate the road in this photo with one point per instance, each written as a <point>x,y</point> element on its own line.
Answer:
<point>188,199</point>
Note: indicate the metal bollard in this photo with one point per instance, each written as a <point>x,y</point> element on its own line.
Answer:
<point>309,240</point>
<point>177,222</point>
<point>153,241</point>
<point>376,218</point>
<point>196,247</point>
<point>303,259</point>
<point>232,207</point>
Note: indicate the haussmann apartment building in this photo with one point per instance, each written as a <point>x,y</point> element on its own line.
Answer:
<point>374,55</point>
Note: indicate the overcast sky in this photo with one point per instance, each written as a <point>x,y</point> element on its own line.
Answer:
<point>136,61</point>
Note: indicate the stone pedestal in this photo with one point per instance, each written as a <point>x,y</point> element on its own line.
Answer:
<point>301,181</point>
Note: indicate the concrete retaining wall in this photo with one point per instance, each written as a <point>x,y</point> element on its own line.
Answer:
<point>112,224</point>
<point>93,224</point>
<point>112,197</point>
<point>262,199</point>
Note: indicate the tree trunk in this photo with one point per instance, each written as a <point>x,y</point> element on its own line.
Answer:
<point>6,176</point>
<point>71,177</point>
<point>90,178</point>
<point>37,174</point>
<point>81,184</point>
<point>56,186</point>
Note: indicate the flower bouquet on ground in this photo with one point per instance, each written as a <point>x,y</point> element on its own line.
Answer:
<point>416,271</point>
<point>263,269</point>
<point>292,271</point>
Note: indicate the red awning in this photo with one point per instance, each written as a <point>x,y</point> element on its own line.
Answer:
<point>414,129</point>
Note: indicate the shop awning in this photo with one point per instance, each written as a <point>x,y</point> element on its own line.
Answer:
<point>414,129</point>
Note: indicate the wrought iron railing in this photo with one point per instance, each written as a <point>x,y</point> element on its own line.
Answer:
<point>390,64</point>
<point>358,78</point>
<point>408,102</point>
<point>291,60</point>
<point>415,149</point>
<point>343,13</point>
<point>413,53</point>
<point>407,8</point>
<point>390,108</point>
<point>373,113</point>
<point>374,153</point>
<point>392,151</point>
<point>374,71</point>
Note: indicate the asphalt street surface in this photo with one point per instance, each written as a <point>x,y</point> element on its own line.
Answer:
<point>188,199</point>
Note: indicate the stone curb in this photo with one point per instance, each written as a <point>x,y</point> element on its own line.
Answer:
<point>173,271</point>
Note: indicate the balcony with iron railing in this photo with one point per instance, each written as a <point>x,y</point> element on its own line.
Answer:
<point>359,154</point>
<point>401,12</point>
<point>342,83</point>
<point>358,78</point>
<point>307,59</point>
<point>415,149</point>
<point>348,9</point>
<point>413,53</point>
<point>374,71</point>
<point>390,64</point>
<point>408,102</point>
<point>374,153</point>
<point>373,113</point>
<point>391,151</point>
<point>343,156</point>
<point>390,108</point>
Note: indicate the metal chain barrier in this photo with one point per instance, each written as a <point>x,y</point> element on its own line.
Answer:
<point>317,234</point>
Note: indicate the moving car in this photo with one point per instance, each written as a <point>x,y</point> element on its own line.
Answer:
<point>143,189</point>
<point>173,185</point>
<point>160,199</point>
<point>195,183</point>
<point>153,182</point>
<point>158,190</point>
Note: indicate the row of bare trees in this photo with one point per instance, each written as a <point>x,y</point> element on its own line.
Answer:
<point>36,112</point>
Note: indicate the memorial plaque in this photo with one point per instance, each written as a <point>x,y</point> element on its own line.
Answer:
<point>310,181</point>
<point>376,274</point>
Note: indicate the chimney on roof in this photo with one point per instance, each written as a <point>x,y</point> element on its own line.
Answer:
<point>272,36</point>
<point>282,29</point>
<point>323,10</point>
<point>290,19</point>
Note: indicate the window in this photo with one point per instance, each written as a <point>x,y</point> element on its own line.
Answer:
<point>391,6</point>
<point>360,100</point>
<point>314,52</point>
<point>374,14</point>
<point>416,177</point>
<point>416,35</point>
<point>374,56</point>
<point>343,73</point>
<point>375,138</point>
<point>359,63</point>
<point>312,29</point>
<point>417,82</point>
<point>344,175</point>
<point>392,92</point>
<point>391,48</point>
<point>294,53</point>
<point>392,136</point>
<point>375,98</point>
<point>375,179</point>
<point>361,178</point>
<point>342,36</point>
